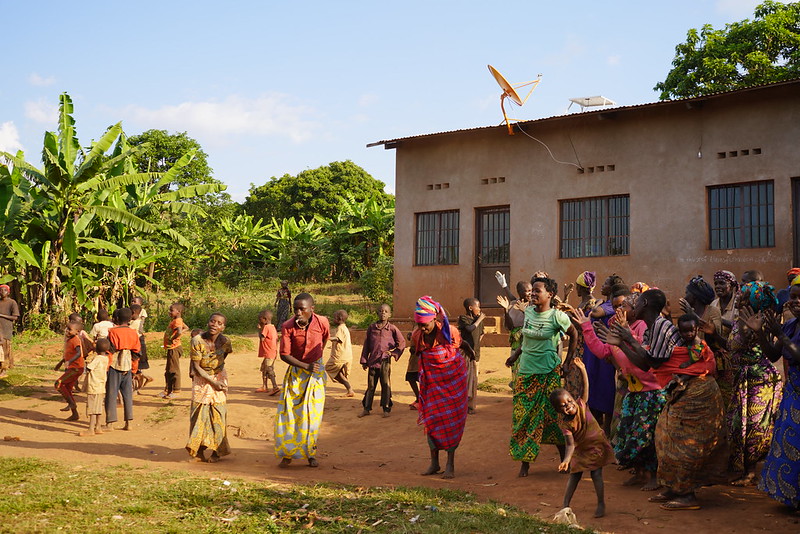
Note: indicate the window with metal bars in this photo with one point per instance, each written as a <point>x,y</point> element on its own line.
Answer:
<point>597,226</point>
<point>741,215</point>
<point>495,235</point>
<point>437,238</point>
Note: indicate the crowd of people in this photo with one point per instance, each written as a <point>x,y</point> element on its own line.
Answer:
<point>680,404</point>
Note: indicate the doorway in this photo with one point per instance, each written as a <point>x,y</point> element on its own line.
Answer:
<point>493,234</point>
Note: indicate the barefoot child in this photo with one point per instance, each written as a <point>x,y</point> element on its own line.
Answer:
<point>125,348</point>
<point>268,352</point>
<point>412,371</point>
<point>172,345</point>
<point>470,325</point>
<point>587,448</point>
<point>97,365</point>
<point>338,365</point>
<point>74,358</point>
<point>383,342</point>
<point>137,323</point>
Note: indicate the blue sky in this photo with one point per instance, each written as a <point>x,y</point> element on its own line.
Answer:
<point>276,87</point>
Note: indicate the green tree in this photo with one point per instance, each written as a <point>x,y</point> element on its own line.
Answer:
<point>83,213</point>
<point>312,192</point>
<point>750,52</point>
<point>161,150</point>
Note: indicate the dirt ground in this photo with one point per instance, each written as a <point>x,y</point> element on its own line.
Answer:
<point>372,451</point>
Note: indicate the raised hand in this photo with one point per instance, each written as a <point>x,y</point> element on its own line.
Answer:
<point>772,322</point>
<point>685,306</point>
<point>620,317</point>
<point>520,305</point>
<point>502,300</point>
<point>580,317</point>
<point>605,335</point>
<point>623,332</point>
<point>568,289</point>
<point>501,279</point>
<point>754,321</point>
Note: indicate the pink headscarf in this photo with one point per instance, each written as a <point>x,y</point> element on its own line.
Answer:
<point>428,309</point>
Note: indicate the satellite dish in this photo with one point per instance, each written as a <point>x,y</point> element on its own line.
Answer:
<point>510,92</point>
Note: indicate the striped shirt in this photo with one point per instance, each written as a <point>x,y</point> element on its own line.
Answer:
<point>659,340</point>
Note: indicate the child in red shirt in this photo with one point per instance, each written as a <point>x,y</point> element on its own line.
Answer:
<point>268,351</point>
<point>74,358</point>
<point>172,344</point>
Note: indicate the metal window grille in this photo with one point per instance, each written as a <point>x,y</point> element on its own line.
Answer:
<point>495,236</point>
<point>741,215</point>
<point>437,238</point>
<point>595,227</point>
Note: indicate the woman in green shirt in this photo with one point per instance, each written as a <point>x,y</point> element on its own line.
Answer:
<point>534,420</point>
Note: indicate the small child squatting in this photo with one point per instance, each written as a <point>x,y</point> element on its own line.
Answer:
<point>587,448</point>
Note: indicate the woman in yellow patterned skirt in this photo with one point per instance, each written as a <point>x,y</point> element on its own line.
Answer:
<point>209,411</point>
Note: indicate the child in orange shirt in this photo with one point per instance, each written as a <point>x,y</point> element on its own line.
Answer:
<point>96,375</point>
<point>268,351</point>
<point>172,344</point>
<point>74,358</point>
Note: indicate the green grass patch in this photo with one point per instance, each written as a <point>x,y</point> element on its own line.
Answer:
<point>19,383</point>
<point>241,306</point>
<point>495,384</point>
<point>47,496</point>
<point>162,414</point>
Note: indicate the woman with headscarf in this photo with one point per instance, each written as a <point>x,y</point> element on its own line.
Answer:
<point>726,286</point>
<point>534,419</point>
<point>697,301</point>
<point>442,383</point>
<point>757,386</point>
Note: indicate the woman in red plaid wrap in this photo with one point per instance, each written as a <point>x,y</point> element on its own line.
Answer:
<point>442,383</point>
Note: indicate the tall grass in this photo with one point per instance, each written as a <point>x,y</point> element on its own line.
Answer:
<point>241,306</point>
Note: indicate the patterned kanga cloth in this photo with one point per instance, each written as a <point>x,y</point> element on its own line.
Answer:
<point>299,414</point>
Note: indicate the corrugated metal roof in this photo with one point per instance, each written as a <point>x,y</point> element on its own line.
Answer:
<point>392,143</point>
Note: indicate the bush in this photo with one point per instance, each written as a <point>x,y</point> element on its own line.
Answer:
<point>377,283</point>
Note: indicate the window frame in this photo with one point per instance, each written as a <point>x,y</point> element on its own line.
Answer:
<point>603,225</point>
<point>452,239</point>
<point>739,215</point>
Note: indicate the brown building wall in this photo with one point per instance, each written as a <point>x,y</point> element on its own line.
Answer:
<point>654,153</point>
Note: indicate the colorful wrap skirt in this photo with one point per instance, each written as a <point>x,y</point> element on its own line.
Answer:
<point>634,443</point>
<point>751,413</point>
<point>534,420</point>
<point>691,444</point>
<point>781,475</point>
<point>208,417</point>
<point>299,414</point>
<point>443,400</point>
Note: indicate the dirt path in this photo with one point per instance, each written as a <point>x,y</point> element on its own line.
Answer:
<point>373,451</point>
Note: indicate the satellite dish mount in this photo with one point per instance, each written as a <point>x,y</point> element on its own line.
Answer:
<point>510,92</point>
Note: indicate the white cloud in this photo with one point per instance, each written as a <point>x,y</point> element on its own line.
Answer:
<point>42,111</point>
<point>41,81</point>
<point>737,9</point>
<point>270,115</point>
<point>9,138</point>
<point>614,60</point>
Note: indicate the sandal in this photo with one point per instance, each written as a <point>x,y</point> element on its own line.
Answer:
<point>274,392</point>
<point>678,505</point>
<point>661,497</point>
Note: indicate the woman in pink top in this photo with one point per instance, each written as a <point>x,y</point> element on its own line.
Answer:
<point>634,445</point>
